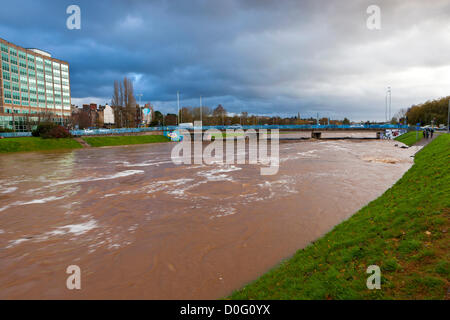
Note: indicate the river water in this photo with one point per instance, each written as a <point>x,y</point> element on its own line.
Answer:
<point>140,227</point>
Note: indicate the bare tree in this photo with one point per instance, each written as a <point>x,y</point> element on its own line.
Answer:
<point>220,113</point>
<point>401,114</point>
<point>129,102</point>
<point>124,103</point>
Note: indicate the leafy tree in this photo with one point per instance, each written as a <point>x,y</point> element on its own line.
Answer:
<point>158,119</point>
<point>431,110</point>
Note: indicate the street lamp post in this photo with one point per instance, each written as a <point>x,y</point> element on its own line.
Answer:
<point>178,104</point>
<point>390,103</point>
<point>140,107</point>
<point>387,111</point>
<point>201,107</point>
<point>385,107</point>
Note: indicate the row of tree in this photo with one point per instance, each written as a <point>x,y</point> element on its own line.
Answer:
<point>127,113</point>
<point>220,116</point>
<point>424,113</point>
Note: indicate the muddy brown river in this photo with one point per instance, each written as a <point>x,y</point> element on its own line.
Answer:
<point>140,227</point>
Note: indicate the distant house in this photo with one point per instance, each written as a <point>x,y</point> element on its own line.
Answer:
<point>90,110</point>
<point>108,115</point>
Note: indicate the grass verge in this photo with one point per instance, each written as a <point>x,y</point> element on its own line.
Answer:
<point>404,232</point>
<point>124,140</point>
<point>225,135</point>
<point>409,138</point>
<point>36,144</point>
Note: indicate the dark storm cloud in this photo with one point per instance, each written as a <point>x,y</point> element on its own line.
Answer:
<point>256,56</point>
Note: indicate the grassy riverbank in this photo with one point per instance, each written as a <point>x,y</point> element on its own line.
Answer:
<point>124,140</point>
<point>409,138</point>
<point>404,232</point>
<point>36,144</point>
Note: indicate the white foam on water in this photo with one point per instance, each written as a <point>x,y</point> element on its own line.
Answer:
<point>180,192</point>
<point>13,243</point>
<point>277,188</point>
<point>4,190</point>
<point>109,195</point>
<point>146,163</point>
<point>176,188</point>
<point>223,212</point>
<point>35,201</point>
<point>218,174</point>
<point>309,154</point>
<point>178,182</point>
<point>76,229</point>
<point>133,228</point>
<point>117,175</point>
<point>44,200</point>
<point>166,184</point>
<point>336,147</point>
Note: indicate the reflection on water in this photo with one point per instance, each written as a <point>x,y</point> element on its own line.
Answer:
<point>140,227</point>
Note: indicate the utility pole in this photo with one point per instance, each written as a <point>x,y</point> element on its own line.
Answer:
<point>201,107</point>
<point>140,108</point>
<point>385,107</point>
<point>390,100</point>
<point>178,104</point>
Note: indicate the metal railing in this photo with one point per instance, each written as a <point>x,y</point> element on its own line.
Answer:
<point>90,132</point>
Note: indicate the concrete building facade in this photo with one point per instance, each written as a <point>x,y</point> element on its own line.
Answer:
<point>33,85</point>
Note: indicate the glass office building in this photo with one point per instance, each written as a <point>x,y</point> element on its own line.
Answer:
<point>33,86</point>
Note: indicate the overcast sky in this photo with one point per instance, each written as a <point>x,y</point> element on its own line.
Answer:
<point>259,56</point>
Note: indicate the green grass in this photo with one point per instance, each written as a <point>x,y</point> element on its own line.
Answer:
<point>404,232</point>
<point>36,144</point>
<point>409,138</point>
<point>124,140</point>
<point>237,134</point>
<point>224,134</point>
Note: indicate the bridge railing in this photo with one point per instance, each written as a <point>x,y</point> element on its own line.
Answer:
<point>113,131</point>
<point>256,127</point>
<point>296,127</point>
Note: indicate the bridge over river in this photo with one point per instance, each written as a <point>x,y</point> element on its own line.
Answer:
<point>294,132</point>
<point>316,130</point>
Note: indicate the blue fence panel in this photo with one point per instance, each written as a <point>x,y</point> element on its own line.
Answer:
<point>91,132</point>
<point>15,134</point>
<point>283,127</point>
